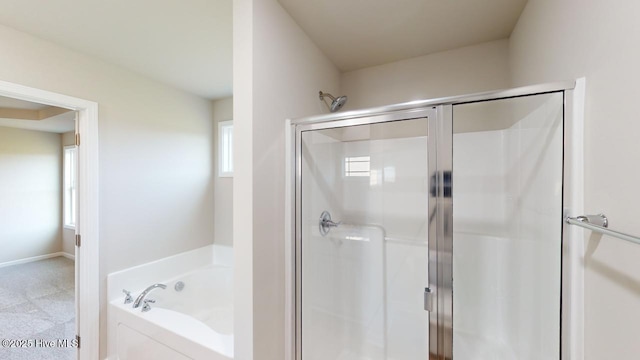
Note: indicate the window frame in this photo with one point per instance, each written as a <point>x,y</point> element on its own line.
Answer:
<point>351,164</point>
<point>70,190</point>
<point>225,150</point>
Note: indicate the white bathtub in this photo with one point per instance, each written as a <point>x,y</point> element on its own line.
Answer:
<point>195,323</point>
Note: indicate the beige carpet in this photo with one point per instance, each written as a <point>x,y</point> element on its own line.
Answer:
<point>37,303</point>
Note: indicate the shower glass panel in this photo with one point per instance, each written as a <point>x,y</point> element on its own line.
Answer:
<point>507,228</point>
<point>362,282</point>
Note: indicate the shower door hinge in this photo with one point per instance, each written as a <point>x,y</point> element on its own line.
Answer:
<point>428,299</point>
<point>77,139</point>
<point>78,341</point>
<point>78,240</point>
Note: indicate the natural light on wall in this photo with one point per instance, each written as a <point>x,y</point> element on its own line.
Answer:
<point>225,148</point>
<point>70,188</point>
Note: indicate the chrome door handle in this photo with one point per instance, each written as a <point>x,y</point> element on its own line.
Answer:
<point>428,299</point>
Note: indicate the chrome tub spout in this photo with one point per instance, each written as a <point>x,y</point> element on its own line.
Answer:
<point>140,297</point>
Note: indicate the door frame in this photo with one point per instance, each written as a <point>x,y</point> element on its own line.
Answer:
<point>87,297</point>
<point>572,310</point>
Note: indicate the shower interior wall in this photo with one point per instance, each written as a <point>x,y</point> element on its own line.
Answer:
<point>358,266</point>
<point>507,201</point>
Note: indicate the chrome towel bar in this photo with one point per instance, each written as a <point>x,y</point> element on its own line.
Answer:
<point>599,223</point>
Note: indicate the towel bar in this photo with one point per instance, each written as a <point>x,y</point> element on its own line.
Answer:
<point>600,223</point>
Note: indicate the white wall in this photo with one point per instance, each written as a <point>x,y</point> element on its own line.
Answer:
<point>68,235</point>
<point>156,193</point>
<point>223,186</point>
<point>565,39</point>
<point>278,72</point>
<point>31,190</point>
<point>460,71</point>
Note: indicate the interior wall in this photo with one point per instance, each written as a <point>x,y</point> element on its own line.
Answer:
<point>460,71</point>
<point>223,186</point>
<point>566,39</point>
<point>278,72</point>
<point>156,146</point>
<point>31,190</point>
<point>68,235</point>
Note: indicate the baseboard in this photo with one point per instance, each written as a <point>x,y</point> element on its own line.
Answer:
<point>36,258</point>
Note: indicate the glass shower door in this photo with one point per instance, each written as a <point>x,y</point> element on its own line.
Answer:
<point>507,228</point>
<point>362,241</point>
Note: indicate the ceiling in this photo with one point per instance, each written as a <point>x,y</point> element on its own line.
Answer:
<point>11,103</point>
<point>33,116</point>
<point>360,33</point>
<point>186,43</point>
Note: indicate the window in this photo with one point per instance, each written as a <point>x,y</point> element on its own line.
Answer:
<point>357,166</point>
<point>225,148</point>
<point>70,186</point>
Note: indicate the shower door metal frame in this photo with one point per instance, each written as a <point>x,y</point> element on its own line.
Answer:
<point>416,113</point>
<point>441,235</point>
<point>440,229</point>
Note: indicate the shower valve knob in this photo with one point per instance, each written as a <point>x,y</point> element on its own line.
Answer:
<point>326,223</point>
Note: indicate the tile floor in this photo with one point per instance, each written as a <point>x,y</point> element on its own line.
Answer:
<point>37,302</point>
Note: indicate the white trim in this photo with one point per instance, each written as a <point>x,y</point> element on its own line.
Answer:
<point>289,256</point>
<point>68,256</point>
<point>87,269</point>
<point>34,258</point>
<point>573,271</point>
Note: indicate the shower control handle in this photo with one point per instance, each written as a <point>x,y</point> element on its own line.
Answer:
<point>331,223</point>
<point>325,224</point>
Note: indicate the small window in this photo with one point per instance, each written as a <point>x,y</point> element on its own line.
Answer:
<point>357,166</point>
<point>70,186</point>
<point>225,148</point>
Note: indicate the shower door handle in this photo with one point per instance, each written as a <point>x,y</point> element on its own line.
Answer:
<point>428,299</point>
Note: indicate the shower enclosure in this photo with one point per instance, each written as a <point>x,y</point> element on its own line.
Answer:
<point>433,229</point>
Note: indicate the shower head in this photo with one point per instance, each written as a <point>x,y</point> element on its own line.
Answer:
<point>336,103</point>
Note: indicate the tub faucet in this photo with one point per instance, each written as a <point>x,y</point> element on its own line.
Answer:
<point>140,297</point>
<point>146,307</point>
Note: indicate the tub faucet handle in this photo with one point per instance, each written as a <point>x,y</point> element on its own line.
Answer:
<point>146,307</point>
<point>127,299</point>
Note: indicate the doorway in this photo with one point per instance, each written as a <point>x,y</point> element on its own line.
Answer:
<point>70,320</point>
<point>37,229</point>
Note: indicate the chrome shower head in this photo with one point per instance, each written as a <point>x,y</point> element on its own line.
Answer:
<point>336,103</point>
